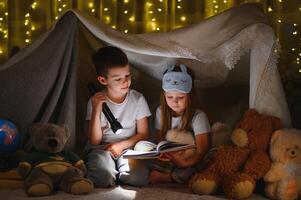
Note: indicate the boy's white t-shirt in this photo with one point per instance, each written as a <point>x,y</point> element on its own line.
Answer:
<point>199,124</point>
<point>133,108</point>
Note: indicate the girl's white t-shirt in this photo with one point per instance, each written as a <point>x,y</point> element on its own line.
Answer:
<point>200,123</point>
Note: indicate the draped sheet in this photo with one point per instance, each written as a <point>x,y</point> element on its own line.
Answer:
<point>233,55</point>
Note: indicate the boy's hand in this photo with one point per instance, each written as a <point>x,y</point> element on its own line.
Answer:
<point>97,100</point>
<point>115,148</point>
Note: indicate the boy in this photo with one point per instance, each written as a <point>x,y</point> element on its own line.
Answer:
<point>105,164</point>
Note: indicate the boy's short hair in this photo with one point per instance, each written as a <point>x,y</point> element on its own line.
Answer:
<point>108,57</point>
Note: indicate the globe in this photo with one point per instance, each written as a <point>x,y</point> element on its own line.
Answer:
<point>9,137</point>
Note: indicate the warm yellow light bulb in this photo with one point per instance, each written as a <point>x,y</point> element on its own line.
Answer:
<point>295,24</point>
<point>60,9</point>
<point>27,32</point>
<point>179,0</point>
<point>105,9</point>
<point>299,70</point>
<point>270,9</point>
<point>125,12</point>
<point>154,19</point>
<point>114,27</point>
<point>33,28</point>
<point>90,5</point>
<point>149,4</point>
<point>1,51</point>
<point>160,0</point>
<point>93,10</point>
<point>132,19</point>
<point>56,17</point>
<point>125,1</point>
<point>27,40</point>
<point>27,15</point>
<point>1,19</point>
<point>183,18</point>
<point>279,21</point>
<point>34,5</point>
<point>293,49</point>
<point>280,1</point>
<point>216,6</point>
<point>5,36</point>
<point>225,1</point>
<point>179,7</point>
<point>295,33</point>
<point>158,29</point>
<point>150,12</point>
<point>126,31</point>
<point>64,5</point>
<point>159,9</point>
<point>6,13</point>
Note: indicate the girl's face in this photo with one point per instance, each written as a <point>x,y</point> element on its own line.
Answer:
<point>177,101</point>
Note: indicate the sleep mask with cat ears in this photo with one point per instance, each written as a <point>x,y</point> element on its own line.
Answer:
<point>179,81</point>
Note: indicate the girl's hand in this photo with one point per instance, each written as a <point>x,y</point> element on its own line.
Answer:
<point>176,158</point>
<point>97,100</point>
<point>115,148</point>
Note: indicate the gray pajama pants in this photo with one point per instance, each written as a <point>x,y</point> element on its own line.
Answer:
<point>179,175</point>
<point>104,170</point>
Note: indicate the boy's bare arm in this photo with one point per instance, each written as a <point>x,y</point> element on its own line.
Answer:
<point>142,134</point>
<point>94,129</point>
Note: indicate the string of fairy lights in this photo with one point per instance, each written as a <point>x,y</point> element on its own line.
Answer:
<point>28,22</point>
<point>3,27</point>
<point>149,15</point>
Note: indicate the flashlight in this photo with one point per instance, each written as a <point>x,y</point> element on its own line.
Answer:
<point>115,124</point>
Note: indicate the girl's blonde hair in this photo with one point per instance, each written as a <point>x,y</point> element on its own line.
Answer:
<point>166,112</point>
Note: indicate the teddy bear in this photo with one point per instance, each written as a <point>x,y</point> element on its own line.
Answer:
<point>235,168</point>
<point>283,180</point>
<point>49,167</point>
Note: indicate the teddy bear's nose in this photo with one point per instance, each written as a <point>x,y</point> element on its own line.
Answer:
<point>52,143</point>
<point>293,153</point>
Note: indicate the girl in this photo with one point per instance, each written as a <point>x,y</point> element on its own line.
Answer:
<point>178,110</point>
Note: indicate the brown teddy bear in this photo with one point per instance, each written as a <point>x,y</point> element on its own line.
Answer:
<point>284,177</point>
<point>49,166</point>
<point>237,167</point>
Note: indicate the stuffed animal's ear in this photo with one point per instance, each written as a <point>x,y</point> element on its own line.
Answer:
<point>34,129</point>
<point>275,136</point>
<point>66,130</point>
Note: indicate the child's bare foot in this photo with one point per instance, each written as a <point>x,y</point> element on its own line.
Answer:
<point>159,177</point>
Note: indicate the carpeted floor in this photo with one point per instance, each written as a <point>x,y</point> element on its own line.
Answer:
<point>159,192</point>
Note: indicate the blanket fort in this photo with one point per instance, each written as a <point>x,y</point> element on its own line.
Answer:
<point>233,54</point>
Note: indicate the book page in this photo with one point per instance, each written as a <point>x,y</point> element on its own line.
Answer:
<point>140,154</point>
<point>167,146</point>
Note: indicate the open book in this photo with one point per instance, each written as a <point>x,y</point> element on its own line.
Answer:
<point>148,150</point>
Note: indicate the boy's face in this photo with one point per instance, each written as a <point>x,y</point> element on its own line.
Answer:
<point>177,101</point>
<point>118,80</point>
